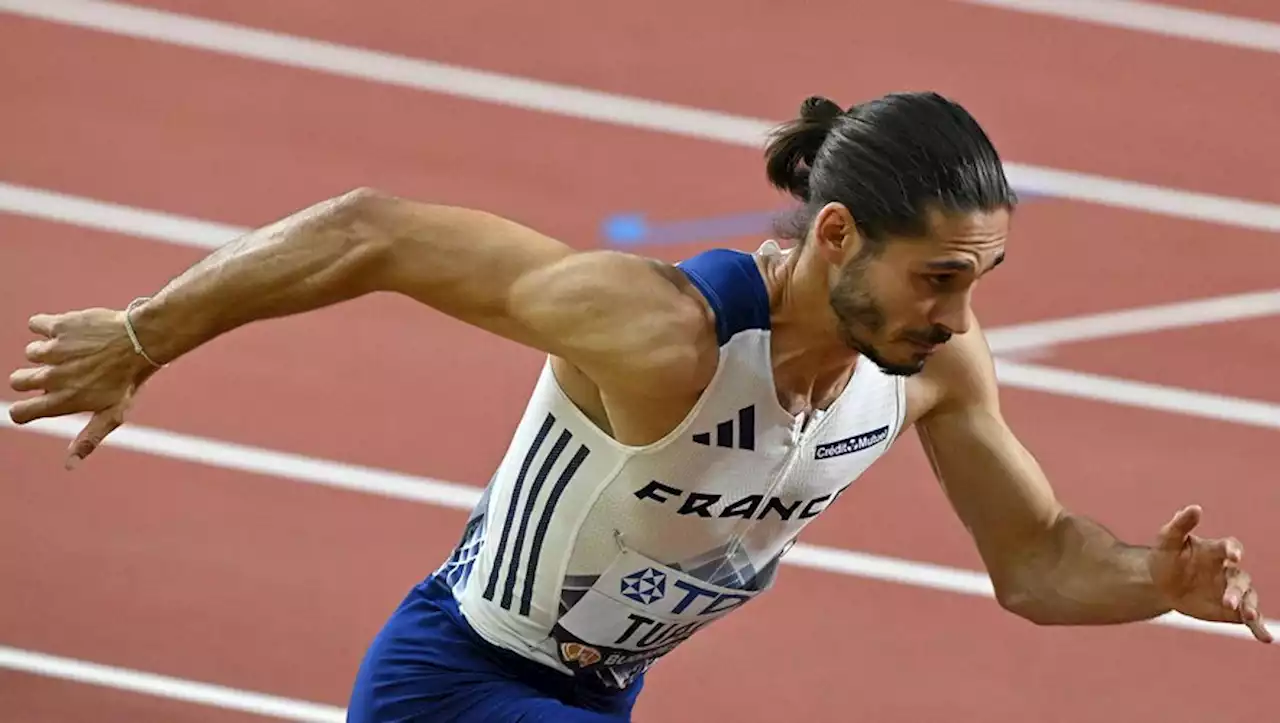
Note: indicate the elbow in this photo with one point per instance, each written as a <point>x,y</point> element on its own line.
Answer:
<point>348,239</point>
<point>1028,577</point>
<point>374,220</point>
<point>362,201</point>
<point>353,219</point>
<point>364,221</point>
<point>1024,593</point>
<point>364,215</point>
<point>1021,602</point>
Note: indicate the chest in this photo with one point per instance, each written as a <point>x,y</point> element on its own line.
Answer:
<point>744,477</point>
<point>642,420</point>
<point>758,464</point>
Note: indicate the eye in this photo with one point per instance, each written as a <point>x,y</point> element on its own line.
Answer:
<point>940,281</point>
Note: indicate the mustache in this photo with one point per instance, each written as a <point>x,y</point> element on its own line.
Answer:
<point>936,335</point>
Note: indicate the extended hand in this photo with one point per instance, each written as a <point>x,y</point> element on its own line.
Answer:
<point>1203,578</point>
<point>86,364</point>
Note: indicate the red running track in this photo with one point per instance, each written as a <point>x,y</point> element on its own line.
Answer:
<point>265,584</point>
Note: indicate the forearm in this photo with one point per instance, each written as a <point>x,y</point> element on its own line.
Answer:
<point>315,258</point>
<point>1084,575</point>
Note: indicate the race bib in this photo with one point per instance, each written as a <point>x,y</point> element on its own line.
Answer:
<point>637,611</point>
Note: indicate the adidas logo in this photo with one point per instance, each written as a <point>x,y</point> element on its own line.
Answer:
<point>746,428</point>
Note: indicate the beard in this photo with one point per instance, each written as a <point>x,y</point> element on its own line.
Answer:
<point>860,319</point>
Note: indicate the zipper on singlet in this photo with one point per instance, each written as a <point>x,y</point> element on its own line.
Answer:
<point>798,430</point>
<point>798,427</point>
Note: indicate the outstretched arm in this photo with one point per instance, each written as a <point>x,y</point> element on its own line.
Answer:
<point>624,321</point>
<point>1048,564</point>
<point>477,267</point>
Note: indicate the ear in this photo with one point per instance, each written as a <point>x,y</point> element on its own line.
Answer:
<point>835,236</point>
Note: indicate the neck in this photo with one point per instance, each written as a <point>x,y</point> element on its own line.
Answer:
<point>809,358</point>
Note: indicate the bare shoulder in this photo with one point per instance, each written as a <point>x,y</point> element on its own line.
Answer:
<point>669,351</point>
<point>961,375</point>
<point>654,332</point>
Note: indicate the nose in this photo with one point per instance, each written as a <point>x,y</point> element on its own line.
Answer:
<point>953,313</point>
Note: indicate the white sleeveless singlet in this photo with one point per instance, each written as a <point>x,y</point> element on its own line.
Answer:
<point>597,558</point>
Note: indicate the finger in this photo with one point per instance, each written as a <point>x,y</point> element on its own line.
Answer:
<point>1175,531</point>
<point>45,351</point>
<point>1253,619</point>
<point>29,379</point>
<point>1238,583</point>
<point>94,433</point>
<point>1227,551</point>
<point>1249,606</point>
<point>54,404</point>
<point>1233,550</point>
<point>42,324</point>
<point>48,377</point>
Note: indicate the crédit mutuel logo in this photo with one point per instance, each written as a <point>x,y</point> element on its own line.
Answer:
<point>849,445</point>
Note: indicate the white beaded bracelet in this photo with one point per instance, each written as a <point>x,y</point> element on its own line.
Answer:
<point>133,336</point>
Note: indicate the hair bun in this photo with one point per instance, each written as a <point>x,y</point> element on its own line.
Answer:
<point>820,109</point>
<point>794,146</point>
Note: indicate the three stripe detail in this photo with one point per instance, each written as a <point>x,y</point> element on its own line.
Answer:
<point>724,431</point>
<point>525,505</point>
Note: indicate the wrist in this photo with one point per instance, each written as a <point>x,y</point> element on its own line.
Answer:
<point>1143,566</point>
<point>131,331</point>
<point>157,335</point>
<point>1156,565</point>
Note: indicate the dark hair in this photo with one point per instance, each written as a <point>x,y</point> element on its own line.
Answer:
<point>887,160</point>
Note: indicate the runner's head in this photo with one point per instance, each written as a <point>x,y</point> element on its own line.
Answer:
<point>905,205</point>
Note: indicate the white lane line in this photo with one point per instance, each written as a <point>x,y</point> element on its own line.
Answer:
<point>1013,339</point>
<point>1162,317</point>
<point>1149,17</point>
<point>576,102</point>
<point>396,485</point>
<point>163,686</point>
<point>1144,395</point>
<point>114,218</point>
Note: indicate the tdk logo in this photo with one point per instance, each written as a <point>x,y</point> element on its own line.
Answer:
<point>645,586</point>
<point>849,445</point>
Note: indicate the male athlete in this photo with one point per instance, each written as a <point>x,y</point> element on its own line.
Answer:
<point>690,420</point>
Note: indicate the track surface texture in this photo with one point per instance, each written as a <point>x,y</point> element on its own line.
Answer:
<point>202,585</point>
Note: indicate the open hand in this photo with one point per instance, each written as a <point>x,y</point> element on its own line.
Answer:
<point>85,363</point>
<point>1202,578</point>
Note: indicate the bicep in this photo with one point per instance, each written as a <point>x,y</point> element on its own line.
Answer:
<point>611,314</point>
<point>996,486</point>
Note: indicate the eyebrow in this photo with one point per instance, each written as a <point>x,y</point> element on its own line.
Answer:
<point>950,265</point>
<point>960,264</point>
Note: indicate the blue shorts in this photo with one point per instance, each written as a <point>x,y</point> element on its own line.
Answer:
<point>428,664</point>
